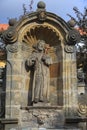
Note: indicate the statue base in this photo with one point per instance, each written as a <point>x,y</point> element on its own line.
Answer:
<point>41,104</point>
<point>42,116</point>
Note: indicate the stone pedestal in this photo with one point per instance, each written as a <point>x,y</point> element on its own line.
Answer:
<point>42,117</point>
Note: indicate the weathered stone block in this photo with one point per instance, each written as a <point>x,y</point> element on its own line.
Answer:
<point>16,98</point>
<point>45,118</point>
<point>11,127</point>
<point>24,98</point>
<point>12,111</point>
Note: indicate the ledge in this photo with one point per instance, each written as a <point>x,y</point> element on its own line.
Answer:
<point>76,120</point>
<point>8,121</point>
<point>40,107</point>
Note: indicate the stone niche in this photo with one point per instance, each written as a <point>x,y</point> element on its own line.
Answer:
<point>41,25</point>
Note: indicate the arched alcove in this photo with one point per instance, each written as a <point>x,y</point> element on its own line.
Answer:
<point>30,34</point>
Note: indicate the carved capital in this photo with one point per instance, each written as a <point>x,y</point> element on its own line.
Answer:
<point>14,48</point>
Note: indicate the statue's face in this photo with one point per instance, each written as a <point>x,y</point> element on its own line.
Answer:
<point>40,46</point>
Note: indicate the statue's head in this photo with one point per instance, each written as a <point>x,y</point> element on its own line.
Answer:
<point>41,45</point>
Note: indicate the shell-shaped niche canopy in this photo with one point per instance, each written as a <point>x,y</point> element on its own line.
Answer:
<point>46,33</point>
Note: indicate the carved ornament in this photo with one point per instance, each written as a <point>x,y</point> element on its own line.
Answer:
<point>14,48</point>
<point>42,16</point>
<point>82,105</point>
<point>38,32</point>
<point>10,36</point>
<point>69,48</point>
<point>73,37</point>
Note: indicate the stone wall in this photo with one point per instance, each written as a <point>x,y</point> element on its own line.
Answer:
<point>18,78</point>
<point>62,85</point>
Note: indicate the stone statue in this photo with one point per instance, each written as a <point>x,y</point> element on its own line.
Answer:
<point>40,61</point>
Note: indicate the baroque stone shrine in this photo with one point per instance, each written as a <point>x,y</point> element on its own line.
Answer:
<point>41,75</point>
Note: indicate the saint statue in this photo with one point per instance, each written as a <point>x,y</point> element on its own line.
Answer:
<point>40,61</point>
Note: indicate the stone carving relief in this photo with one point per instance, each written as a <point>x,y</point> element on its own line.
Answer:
<point>15,48</point>
<point>31,35</point>
<point>82,105</point>
<point>42,15</point>
<point>73,37</point>
<point>10,36</point>
<point>41,11</point>
<point>40,61</point>
<point>80,75</point>
<point>69,48</point>
<point>43,118</point>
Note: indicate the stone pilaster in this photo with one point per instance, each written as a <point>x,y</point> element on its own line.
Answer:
<point>69,84</point>
<point>16,81</point>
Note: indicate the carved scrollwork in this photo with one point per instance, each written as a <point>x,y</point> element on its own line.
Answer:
<point>73,37</point>
<point>82,109</point>
<point>69,49</point>
<point>10,36</point>
<point>82,105</point>
<point>12,48</point>
<point>16,47</point>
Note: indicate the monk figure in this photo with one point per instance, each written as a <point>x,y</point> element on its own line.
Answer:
<point>40,61</point>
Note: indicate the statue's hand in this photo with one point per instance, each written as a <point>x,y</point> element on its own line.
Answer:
<point>46,59</point>
<point>43,57</point>
<point>31,61</point>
